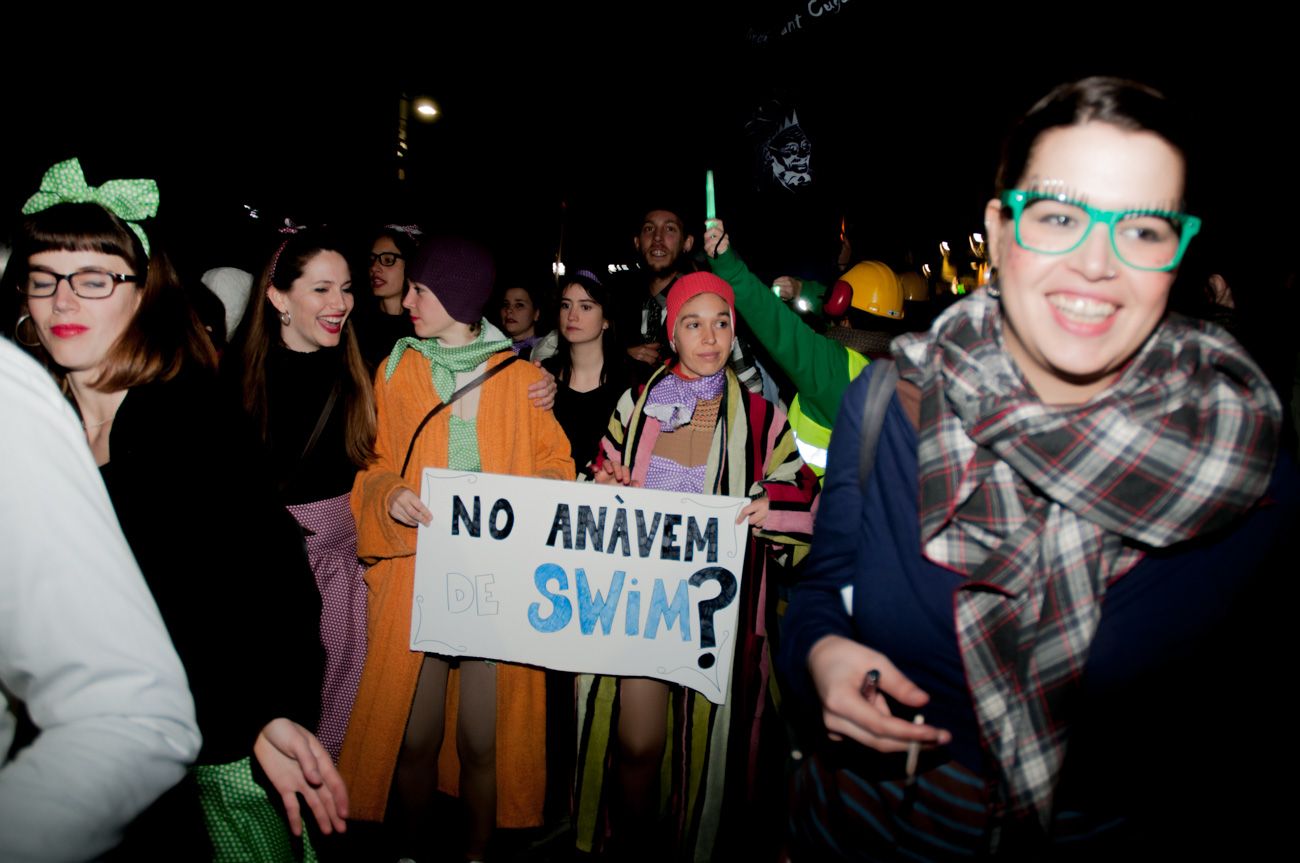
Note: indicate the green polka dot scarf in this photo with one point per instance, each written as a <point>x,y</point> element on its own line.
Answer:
<point>242,823</point>
<point>129,200</point>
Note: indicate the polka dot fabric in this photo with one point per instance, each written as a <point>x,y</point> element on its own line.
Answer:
<point>243,824</point>
<point>463,445</point>
<point>332,551</point>
<point>129,200</point>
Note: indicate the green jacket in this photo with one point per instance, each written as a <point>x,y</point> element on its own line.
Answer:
<point>820,367</point>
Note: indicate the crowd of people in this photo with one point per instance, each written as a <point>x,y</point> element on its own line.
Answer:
<point>1007,566</point>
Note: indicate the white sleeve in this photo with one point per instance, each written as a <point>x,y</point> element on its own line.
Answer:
<point>81,642</point>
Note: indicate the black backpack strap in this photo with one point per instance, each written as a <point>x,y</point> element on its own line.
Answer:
<point>477,382</point>
<point>884,380</point>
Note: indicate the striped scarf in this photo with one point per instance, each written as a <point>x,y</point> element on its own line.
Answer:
<point>1044,506</point>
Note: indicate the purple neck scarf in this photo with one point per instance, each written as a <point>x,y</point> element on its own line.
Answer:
<point>672,400</point>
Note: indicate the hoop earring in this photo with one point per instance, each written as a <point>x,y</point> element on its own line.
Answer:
<point>285,318</point>
<point>994,291</point>
<point>18,327</point>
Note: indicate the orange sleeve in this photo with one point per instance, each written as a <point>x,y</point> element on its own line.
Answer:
<point>379,535</point>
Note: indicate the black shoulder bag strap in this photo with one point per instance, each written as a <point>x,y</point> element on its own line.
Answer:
<point>315,436</point>
<point>884,380</point>
<point>477,382</point>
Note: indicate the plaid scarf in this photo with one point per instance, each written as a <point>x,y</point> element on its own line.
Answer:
<point>1044,506</point>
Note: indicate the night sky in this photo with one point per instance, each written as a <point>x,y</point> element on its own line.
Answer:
<point>568,121</point>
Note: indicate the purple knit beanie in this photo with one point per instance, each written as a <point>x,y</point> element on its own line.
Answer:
<point>460,274</point>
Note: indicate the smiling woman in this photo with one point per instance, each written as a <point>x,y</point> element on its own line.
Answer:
<point>302,380</point>
<point>1074,509</point>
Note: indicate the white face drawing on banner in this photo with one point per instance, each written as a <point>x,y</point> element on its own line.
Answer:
<point>789,154</point>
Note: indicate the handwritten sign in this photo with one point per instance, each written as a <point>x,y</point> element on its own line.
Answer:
<point>580,577</point>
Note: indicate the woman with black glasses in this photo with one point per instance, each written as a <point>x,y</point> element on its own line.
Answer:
<point>110,320</point>
<point>380,323</point>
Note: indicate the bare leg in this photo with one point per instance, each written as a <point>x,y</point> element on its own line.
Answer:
<point>476,743</point>
<point>416,778</point>
<point>642,730</point>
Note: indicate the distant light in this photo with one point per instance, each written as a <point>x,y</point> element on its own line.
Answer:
<point>944,249</point>
<point>557,268</point>
<point>925,269</point>
<point>802,305</point>
<point>426,109</point>
<point>979,238</point>
<point>613,268</point>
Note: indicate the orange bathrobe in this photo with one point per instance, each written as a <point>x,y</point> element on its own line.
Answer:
<point>513,438</point>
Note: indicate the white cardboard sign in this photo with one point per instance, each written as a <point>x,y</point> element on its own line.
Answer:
<point>580,577</point>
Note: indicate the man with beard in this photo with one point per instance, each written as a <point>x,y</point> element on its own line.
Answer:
<point>664,245</point>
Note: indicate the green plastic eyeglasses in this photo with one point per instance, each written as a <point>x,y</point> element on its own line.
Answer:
<point>1153,240</point>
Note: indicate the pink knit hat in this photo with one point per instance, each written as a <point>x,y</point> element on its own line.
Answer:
<point>690,286</point>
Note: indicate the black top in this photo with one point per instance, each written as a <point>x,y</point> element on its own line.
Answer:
<point>377,332</point>
<point>225,561</point>
<point>297,387</point>
<point>585,416</point>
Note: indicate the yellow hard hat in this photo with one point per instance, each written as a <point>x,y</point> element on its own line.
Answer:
<point>870,286</point>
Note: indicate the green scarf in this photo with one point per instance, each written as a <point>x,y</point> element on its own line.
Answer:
<point>445,362</point>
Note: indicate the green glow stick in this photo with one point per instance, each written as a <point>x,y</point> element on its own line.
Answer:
<point>710,206</point>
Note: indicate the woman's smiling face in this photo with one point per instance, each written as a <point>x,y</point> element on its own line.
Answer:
<point>1071,321</point>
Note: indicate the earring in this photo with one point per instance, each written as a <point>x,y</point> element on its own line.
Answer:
<point>994,291</point>
<point>285,319</point>
<point>18,329</point>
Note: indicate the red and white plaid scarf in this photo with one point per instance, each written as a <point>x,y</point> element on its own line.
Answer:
<point>1043,507</point>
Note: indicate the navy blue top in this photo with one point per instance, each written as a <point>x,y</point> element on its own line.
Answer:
<point>1185,630</point>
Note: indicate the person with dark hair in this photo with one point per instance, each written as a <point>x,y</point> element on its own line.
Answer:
<point>302,380</point>
<point>221,556</point>
<point>1059,525</point>
<point>492,713</point>
<point>521,309</point>
<point>589,365</point>
<point>664,243</point>
<point>381,321</point>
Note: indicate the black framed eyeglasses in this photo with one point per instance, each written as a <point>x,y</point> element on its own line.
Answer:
<point>87,284</point>
<point>386,258</point>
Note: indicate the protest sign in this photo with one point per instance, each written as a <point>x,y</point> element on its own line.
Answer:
<point>580,577</point>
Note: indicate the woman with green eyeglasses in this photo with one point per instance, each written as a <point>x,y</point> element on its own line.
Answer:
<point>1041,568</point>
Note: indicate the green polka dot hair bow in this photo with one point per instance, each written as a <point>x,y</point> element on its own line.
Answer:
<point>129,200</point>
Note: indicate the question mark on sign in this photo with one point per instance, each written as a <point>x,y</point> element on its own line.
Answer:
<point>709,607</point>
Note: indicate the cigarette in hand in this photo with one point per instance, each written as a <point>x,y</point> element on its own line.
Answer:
<point>914,753</point>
